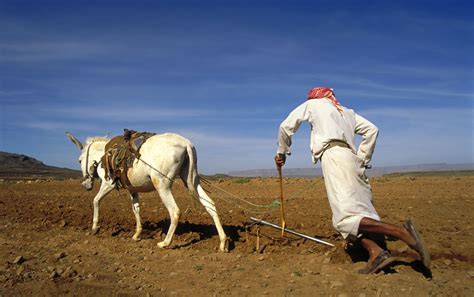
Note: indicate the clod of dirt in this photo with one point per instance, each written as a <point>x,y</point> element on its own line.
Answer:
<point>326,260</point>
<point>20,270</point>
<point>60,255</point>
<point>69,272</point>
<point>54,274</point>
<point>19,260</point>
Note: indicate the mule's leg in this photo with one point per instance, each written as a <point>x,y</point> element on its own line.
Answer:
<point>136,212</point>
<point>105,188</point>
<point>210,207</point>
<point>164,189</point>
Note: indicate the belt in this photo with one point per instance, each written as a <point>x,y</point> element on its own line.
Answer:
<point>334,143</point>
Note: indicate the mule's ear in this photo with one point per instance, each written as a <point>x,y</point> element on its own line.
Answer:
<point>75,140</point>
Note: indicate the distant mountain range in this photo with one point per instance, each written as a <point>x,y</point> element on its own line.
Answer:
<point>15,166</point>
<point>375,171</point>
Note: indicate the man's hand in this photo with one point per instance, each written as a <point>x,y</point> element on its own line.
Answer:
<point>280,160</point>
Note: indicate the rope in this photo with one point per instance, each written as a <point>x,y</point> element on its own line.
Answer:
<point>229,201</point>
<point>275,203</point>
<point>302,190</point>
<point>232,197</point>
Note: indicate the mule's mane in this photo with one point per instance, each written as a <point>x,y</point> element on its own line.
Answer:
<point>91,140</point>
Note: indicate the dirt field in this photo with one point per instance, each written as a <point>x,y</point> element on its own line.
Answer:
<point>46,247</point>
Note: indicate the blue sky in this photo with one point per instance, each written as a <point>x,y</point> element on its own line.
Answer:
<point>225,74</point>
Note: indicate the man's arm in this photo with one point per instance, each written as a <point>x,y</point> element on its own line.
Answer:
<point>289,127</point>
<point>369,134</point>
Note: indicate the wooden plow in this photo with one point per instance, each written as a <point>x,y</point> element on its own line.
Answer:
<point>262,222</point>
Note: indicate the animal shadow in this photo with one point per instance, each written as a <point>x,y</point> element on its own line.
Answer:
<point>191,233</point>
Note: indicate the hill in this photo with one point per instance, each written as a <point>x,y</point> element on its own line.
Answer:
<point>375,171</point>
<point>15,166</point>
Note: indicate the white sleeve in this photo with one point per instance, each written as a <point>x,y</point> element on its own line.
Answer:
<point>369,134</point>
<point>289,127</point>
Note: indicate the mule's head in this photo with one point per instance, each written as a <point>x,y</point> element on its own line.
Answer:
<point>88,165</point>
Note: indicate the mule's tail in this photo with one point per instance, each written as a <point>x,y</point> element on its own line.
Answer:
<point>192,180</point>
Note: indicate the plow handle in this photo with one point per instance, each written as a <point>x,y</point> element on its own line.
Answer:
<point>282,208</point>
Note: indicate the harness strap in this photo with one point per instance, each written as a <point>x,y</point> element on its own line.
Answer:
<point>120,153</point>
<point>87,162</point>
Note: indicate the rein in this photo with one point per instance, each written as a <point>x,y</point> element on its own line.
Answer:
<point>94,165</point>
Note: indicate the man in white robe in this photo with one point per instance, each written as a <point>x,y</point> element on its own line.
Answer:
<point>333,130</point>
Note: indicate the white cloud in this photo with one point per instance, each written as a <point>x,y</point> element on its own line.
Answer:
<point>111,113</point>
<point>424,116</point>
<point>42,51</point>
<point>56,125</point>
<point>228,140</point>
<point>14,93</point>
<point>448,72</point>
<point>223,152</point>
<point>423,135</point>
<point>407,90</point>
<point>360,86</point>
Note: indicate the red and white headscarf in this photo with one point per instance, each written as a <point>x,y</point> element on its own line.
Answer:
<point>323,92</point>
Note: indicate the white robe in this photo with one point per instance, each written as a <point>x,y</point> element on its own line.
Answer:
<point>348,189</point>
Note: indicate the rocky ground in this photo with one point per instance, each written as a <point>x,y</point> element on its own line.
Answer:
<point>46,247</point>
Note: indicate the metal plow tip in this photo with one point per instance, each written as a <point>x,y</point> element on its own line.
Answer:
<point>258,221</point>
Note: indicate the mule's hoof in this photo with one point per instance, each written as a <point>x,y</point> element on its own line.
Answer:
<point>162,244</point>
<point>136,238</point>
<point>95,230</point>
<point>224,247</point>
